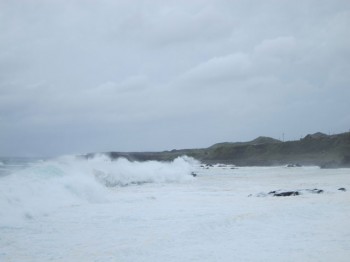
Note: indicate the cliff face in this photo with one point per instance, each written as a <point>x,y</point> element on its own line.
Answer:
<point>316,149</point>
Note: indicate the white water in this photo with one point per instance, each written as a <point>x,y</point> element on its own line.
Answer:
<point>97,210</point>
<point>45,186</point>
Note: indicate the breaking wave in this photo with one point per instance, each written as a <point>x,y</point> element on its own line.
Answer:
<point>45,186</point>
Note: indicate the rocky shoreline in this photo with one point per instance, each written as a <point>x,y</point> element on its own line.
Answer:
<point>326,151</point>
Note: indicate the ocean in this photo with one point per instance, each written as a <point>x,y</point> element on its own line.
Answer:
<point>77,209</point>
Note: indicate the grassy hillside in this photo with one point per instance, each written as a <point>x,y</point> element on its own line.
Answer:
<point>316,149</point>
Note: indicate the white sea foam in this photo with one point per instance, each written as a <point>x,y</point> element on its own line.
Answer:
<point>217,217</point>
<point>65,181</point>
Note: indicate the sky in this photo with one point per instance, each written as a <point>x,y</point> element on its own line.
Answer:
<point>81,76</point>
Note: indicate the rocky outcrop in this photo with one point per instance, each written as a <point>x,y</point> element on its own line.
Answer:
<point>283,193</point>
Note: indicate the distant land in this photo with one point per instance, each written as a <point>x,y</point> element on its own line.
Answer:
<point>326,151</point>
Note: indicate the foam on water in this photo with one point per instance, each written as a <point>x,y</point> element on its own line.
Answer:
<point>212,219</point>
<point>45,186</point>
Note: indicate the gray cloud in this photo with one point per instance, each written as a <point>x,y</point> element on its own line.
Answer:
<point>79,76</point>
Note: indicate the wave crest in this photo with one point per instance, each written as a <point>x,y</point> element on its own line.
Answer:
<point>70,180</point>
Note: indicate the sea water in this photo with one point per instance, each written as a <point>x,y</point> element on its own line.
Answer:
<point>78,209</point>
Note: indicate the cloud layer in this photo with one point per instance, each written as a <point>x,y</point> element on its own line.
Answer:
<point>78,76</point>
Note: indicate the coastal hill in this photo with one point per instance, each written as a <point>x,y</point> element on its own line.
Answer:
<point>327,151</point>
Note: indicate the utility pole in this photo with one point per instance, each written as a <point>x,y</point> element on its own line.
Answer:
<point>282,137</point>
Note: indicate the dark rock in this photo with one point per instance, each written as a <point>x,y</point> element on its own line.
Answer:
<point>193,174</point>
<point>330,165</point>
<point>294,165</point>
<point>280,193</point>
<point>314,191</point>
<point>287,193</point>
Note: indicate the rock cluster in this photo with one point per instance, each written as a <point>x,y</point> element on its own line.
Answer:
<point>282,193</point>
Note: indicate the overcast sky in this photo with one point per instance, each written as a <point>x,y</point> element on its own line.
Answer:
<point>82,76</point>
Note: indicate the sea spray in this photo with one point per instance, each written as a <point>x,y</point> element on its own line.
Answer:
<point>69,180</point>
<point>122,172</point>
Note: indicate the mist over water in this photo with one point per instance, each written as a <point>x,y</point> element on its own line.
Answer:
<point>37,188</point>
<point>9,165</point>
